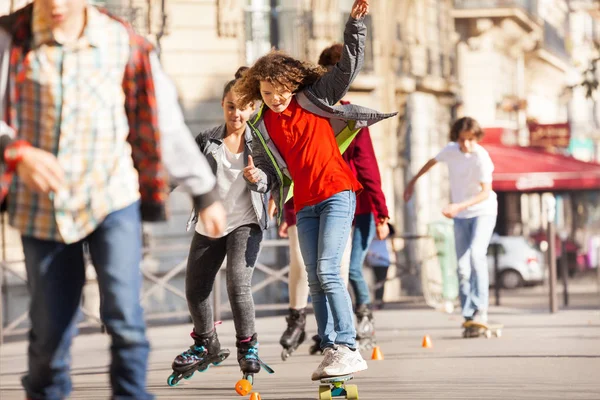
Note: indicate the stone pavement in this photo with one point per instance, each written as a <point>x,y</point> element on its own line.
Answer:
<point>539,356</point>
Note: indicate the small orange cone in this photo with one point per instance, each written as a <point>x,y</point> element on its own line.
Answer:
<point>254,396</point>
<point>427,342</point>
<point>377,354</point>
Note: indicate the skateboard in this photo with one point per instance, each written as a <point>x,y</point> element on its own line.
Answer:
<point>335,387</point>
<point>476,329</point>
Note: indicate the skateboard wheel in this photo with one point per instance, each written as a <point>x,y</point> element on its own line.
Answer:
<point>488,334</point>
<point>498,333</point>
<point>351,392</point>
<point>255,396</point>
<point>324,392</point>
<point>243,387</point>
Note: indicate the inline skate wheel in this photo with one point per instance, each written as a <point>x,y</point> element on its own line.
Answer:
<point>172,380</point>
<point>243,387</point>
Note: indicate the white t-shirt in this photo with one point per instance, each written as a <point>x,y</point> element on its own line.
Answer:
<point>233,191</point>
<point>467,172</point>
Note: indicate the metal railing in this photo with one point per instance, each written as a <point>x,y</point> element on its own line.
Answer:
<point>156,282</point>
<point>159,282</point>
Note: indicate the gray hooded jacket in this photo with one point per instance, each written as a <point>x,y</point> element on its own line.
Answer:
<point>210,141</point>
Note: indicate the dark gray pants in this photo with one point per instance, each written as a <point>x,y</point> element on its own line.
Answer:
<point>206,256</point>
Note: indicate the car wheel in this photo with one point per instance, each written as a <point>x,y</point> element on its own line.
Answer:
<point>511,279</point>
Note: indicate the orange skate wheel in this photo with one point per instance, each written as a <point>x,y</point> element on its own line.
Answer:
<point>254,396</point>
<point>243,387</point>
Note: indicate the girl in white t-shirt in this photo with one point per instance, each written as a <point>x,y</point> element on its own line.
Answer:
<point>474,208</point>
<point>227,148</point>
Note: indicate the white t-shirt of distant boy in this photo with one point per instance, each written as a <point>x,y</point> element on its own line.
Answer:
<point>467,172</point>
<point>233,192</point>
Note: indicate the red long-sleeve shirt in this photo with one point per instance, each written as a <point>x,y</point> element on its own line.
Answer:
<point>360,156</point>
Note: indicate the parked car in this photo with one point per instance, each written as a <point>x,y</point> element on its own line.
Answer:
<point>519,262</point>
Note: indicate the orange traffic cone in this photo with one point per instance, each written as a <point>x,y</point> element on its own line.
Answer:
<point>254,396</point>
<point>427,342</point>
<point>377,354</point>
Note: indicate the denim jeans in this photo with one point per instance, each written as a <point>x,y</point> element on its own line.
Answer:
<point>472,237</point>
<point>323,231</point>
<point>364,232</point>
<point>56,275</point>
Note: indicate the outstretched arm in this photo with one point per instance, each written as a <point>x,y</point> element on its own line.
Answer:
<point>410,188</point>
<point>334,85</point>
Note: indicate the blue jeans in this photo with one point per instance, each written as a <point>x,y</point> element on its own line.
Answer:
<point>472,237</point>
<point>323,231</point>
<point>56,275</point>
<point>364,232</point>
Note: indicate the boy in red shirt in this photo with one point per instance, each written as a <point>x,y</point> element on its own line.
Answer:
<point>299,130</point>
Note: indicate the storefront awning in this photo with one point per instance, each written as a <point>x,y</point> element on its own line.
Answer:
<point>522,169</point>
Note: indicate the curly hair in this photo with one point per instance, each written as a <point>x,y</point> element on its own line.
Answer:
<point>280,70</point>
<point>331,55</point>
<point>465,124</point>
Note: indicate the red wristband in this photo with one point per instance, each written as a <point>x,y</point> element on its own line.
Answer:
<point>13,154</point>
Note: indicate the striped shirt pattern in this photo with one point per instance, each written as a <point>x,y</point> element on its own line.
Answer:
<point>71,103</point>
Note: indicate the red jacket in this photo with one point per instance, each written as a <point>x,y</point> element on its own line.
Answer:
<point>361,158</point>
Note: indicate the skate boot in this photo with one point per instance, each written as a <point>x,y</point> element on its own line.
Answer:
<point>365,328</point>
<point>205,351</point>
<point>315,348</point>
<point>294,334</point>
<point>247,354</point>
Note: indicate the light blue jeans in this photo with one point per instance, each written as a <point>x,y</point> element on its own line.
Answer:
<point>56,275</point>
<point>323,231</point>
<point>472,237</point>
<point>364,232</point>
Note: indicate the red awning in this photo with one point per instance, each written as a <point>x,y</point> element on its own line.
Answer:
<point>523,169</point>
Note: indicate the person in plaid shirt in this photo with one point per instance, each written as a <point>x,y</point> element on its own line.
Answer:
<point>91,128</point>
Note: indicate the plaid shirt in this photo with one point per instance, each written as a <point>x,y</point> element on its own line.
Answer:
<point>69,101</point>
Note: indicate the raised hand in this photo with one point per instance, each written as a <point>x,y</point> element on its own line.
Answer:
<point>360,8</point>
<point>40,171</point>
<point>251,172</point>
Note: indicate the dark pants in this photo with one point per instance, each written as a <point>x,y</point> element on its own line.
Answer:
<point>206,256</point>
<point>56,275</point>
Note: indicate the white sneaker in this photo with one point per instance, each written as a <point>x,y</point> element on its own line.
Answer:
<point>344,362</point>
<point>327,358</point>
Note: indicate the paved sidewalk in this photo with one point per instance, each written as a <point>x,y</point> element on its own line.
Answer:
<point>540,356</point>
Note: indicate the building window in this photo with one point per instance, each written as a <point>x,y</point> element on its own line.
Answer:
<point>279,24</point>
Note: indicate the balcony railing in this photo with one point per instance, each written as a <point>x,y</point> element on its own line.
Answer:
<point>529,6</point>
